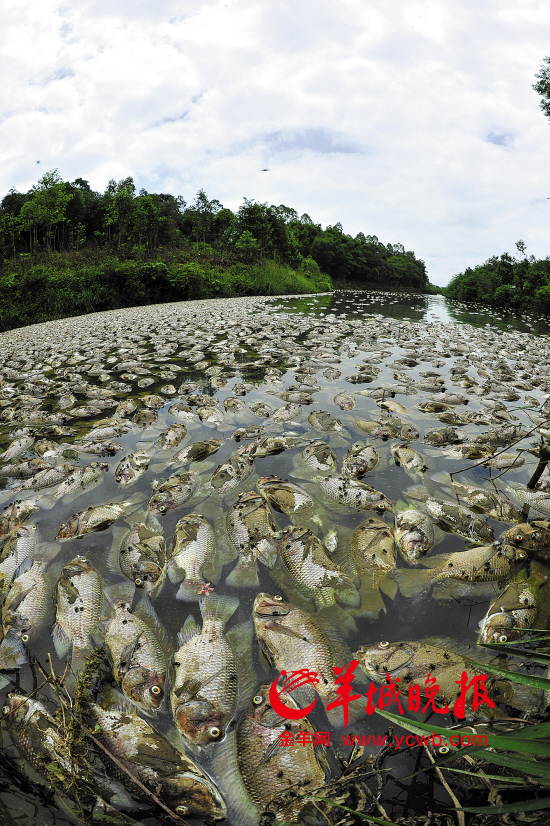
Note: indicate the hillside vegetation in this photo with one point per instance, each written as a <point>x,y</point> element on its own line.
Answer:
<point>66,250</point>
<point>521,283</point>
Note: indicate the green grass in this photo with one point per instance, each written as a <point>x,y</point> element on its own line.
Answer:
<point>71,284</point>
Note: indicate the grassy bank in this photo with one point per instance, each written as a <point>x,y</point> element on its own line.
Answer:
<point>61,285</point>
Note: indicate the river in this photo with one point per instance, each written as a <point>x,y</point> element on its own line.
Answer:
<point>260,343</point>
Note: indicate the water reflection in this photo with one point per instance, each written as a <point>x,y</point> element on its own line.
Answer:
<point>414,307</point>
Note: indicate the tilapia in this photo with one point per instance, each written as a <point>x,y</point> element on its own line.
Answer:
<point>407,457</point>
<point>266,769</point>
<point>283,496</point>
<point>171,437</point>
<point>292,639</point>
<point>319,456</point>
<point>96,518</point>
<point>487,563</point>
<point>198,451</point>
<point>141,554</point>
<point>139,662</point>
<point>174,491</point>
<point>193,546</point>
<point>414,535</point>
<point>354,494</point>
<point>132,467</point>
<point>372,558</point>
<point>143,753</point>
<point>518,607</point>
<point>324,422</point>
<point>79,600</point>
<point>234,471</point>
<point>359,460</point>
<point>12,516</point>
<point>251,533</point>
<point>204,674</point>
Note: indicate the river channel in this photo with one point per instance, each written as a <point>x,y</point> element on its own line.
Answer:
<point>245,359</point>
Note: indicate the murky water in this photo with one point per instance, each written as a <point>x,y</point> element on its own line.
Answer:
<point>338,331</point>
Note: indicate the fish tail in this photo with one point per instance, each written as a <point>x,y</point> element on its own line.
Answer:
<point>189,589</point>
<point>218,607</point>
<point>244,574</point>
<point>412,583</point>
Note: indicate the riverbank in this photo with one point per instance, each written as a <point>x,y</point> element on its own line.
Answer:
<point>64,285</point>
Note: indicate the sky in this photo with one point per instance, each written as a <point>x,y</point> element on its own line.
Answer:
<point>411,120</point>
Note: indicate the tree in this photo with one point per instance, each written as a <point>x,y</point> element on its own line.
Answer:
<point>543,86</point>
<point>46,208</point>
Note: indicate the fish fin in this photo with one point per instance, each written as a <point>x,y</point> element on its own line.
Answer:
<point>219,607</point>
<point>120,592</point>
<point>388,586</point>
<point>48,502</point>
<point>137,516</point>
<point>443,478</point>
<point>417,492</point>
<point>190,629</point>
<point>189,590</point>
<point>24,566</point>
<point>13,654</point>
<point>244,574</point>
<point>267,552</point>
<point>114,553</point>
<point>240,639</point>
<point>146,612</point>
<point>413,582</point>
<point>61,640</point>
<point>338,616</point>
<point>241,808</point>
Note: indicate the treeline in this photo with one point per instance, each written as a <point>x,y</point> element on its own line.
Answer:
<point>57,216</point>
<point>520,283</point>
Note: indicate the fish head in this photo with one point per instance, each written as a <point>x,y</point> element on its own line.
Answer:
<point>384,658</point>
<point>527,537</point>
<point>70,528</point>
<point>162,502</point>
<point>200,722</point>
<point>190,795</point>
<point>267,607</point>
<point>143,687</point>
<point>498,628</point>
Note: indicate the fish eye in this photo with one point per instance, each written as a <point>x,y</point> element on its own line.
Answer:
<point>522,555</point>
<point>258,700</point>
<point>138,582</point>
<point>155,690</point>
<point>214,732</point>
<point>6,709</point>
<point>503,638</point>
<point>278,597</point>
<point>384,644</point>
<point>181,810</point>
<point>25,637</point>
<point>162,508</point>
<point>443,750</point>
<point>381,507</point>
<point>518,537</point>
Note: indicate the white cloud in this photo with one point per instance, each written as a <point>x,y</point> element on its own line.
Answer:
<point>412,120</point>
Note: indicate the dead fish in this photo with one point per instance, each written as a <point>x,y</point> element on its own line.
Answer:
<point>283,496</point>
<point>132,467</point>
<point>171,437</point>
<point>324,422</point>
<point>174,491</point>
<point>204,674</point>
<point>372,557</point>
<point>359,460</point>
<point>79,601</point>
<point>251,532</point>
<point>193,546</point>
<point>198,451</point>
<point>12,516</point>
<point>234,471</point>
<point>414,535</point>
<point>354,494</point>
<point>319,456</point>
<point>96,518</point>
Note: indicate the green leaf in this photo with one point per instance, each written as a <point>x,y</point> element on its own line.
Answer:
<point>514,676</point>
<point>499,741</point>
<point>484,776</point>
<point>524,806</point>
<point>370,818</point>
<point>534,656</point>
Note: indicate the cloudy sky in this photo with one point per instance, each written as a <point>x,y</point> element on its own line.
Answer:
<point>412,120</point>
